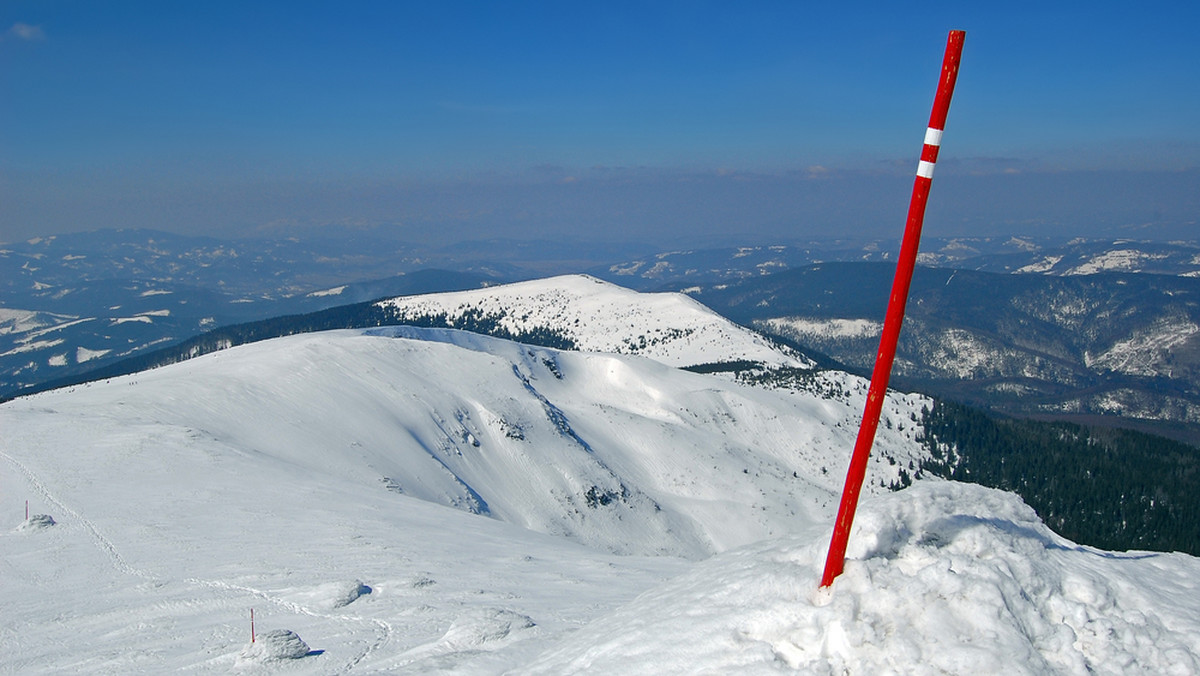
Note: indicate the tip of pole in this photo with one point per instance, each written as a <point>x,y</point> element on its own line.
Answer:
<point>821,596</point>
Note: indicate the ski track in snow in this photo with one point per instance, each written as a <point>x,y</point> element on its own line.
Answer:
<point>104,543</point>
<point>383,629</point>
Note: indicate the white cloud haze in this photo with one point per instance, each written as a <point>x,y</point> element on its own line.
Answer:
<point>24,31</point>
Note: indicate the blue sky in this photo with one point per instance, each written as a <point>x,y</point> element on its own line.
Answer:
<point>667,121</point>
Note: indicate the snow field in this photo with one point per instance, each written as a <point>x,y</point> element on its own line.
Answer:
<point>274,475</point>
<point>169,589</point>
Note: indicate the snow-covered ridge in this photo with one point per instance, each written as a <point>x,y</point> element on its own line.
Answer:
<point>596,316</point>
<point>620,452</point>
<point>1119,260</point>
<point>1148,351</point>
<point>405,500</point>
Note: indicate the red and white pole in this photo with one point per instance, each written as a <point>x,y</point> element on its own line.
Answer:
<point>895,312</point>
<point>252,625</point>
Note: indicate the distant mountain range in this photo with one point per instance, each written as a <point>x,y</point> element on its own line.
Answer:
<point>1108,344</point>
<point>1097,331</point>
<point>1016,255</point>
<point>1027,326</point>
<point>73,303</point>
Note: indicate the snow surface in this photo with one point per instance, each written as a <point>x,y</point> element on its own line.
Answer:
<point>824,328</point>
<point>1045,265</point>
<point>430,501</point>
<point>601,317</point>
<point>33,346</point>
<point>273,646</point>
<point>36,522</point>
<point>1120,260</point>
<point>22,321</point>
<point>942,578</point>
<point>82,354</point>
<point>1148,351</point>
<point>335,291</point>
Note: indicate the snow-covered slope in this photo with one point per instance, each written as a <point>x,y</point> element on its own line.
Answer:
<point>942,578</point>
<point>285,473</point>
<point>619,452</point>
<point>1149,350</point>
<point>597,316</point>
<point>432,501</point>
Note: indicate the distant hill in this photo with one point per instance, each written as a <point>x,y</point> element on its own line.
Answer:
<point>90,324</point>
<point>568,312</point>
<point>75,302</point>
<point>592,315</point>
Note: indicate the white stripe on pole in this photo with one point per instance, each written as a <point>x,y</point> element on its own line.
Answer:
<point>933,137</point>
<point>925,169</point>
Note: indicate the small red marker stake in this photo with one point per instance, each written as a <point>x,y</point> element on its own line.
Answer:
<point>252,625</point>
<point>895,312</point>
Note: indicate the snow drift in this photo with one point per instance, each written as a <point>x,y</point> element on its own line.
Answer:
<point>942,578</point>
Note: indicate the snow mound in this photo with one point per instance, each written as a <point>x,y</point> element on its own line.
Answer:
<point>36,522</point>
<point>274,645</point>
<point>477,631</point>
<point>485,625</point>
<point>328,596</point>
<point>942,578</point>
<point>342,594</point>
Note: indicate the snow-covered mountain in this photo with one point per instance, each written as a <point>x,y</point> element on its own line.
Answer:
<point>432,501</point>
<point>596,316</point>
<point>620,452</point>
<point>1089,257</point>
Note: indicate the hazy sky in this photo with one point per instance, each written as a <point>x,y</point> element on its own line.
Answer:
<point>664,121</point>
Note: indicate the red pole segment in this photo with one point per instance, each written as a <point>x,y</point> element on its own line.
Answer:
<point>895,312</point>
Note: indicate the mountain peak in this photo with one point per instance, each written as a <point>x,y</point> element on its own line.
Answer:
<point>597,316</point>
